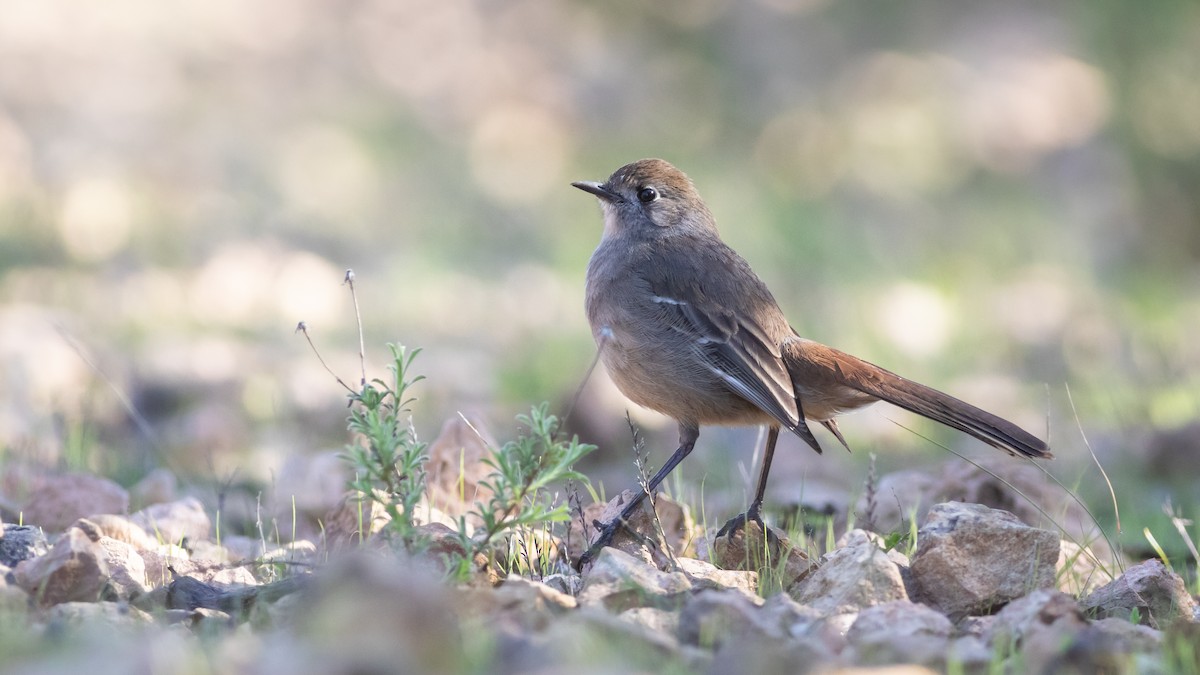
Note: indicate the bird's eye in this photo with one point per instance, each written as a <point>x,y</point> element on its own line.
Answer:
<point>647,195</point>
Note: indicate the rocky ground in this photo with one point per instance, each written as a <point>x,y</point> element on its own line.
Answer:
<point>86,586</point>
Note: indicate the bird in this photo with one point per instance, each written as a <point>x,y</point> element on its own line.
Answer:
<point>685,327</point>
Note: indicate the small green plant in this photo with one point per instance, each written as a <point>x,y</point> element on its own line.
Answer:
<point>523,472</point>
<point>387,458</point>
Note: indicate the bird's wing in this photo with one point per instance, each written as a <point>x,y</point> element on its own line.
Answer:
<point>732,342</point>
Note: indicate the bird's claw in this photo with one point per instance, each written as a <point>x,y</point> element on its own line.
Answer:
<point>752,516</point>
<point>606,533</point>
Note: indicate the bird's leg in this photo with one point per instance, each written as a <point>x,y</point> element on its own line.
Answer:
<point>753,514</point>
<point>687,440</point>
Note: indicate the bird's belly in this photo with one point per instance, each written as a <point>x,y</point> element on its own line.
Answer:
<point>674,382</point>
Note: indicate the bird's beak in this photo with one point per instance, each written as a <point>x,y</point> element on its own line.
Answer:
<point>598,189</point>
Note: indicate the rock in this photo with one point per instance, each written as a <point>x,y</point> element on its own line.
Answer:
<point>58,500</point>
<point>1172,453</point>
<point>1122,636</point>
<point>382,615</point>
<point>899,619</point>
<point>160,559</point>
<point>535,594</point>
<point>851,578</point>
<point>711,617</point>
<point>516,606</point>
<point>1106,646</point>
<point>570,584</point>
<point>455,471</point>
<point>757,653</point>
<point>653,619</point>
<point>1077,570</point>
<point>745,549</point>
<point>156,487</point>
<point>201,570</point>
<point>909,494</point>
<point>175,522</point>
<point>792,618</point>
<point>14,601</point>
<point>882,649</point>
<point>73,570</point>
<point>707,575</point>
<point>307,487</point>
<point>970,654</point>
<point>1039,626</point>
<point>640,538</point>
<point>971,559</point>
<point>1158,595</point>
<point>123,529</point>
<point>299,552</point>
<point>900,497</point>
<point>678,526</point>
<point>126,570</point>
<point>21,542</point>
<point>241,548</point>
<point>617,581</point>
<point>353,520</point>
<point>117,614</point>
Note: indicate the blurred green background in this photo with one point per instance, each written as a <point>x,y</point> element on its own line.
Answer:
<point>998,199</point>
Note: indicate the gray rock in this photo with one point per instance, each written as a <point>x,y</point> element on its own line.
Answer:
<point>792,618</point>
<point>126,570</point>
<point>653,619</point>
<point>56,501</point>
<point>763,655</point>
<point>367,609</point>
<point>851,578</point>
<point>1108,646</point>
<point>569,584</point>
<point>1039,626</point>
<point>1080,570</point>
<point>173,522</point>
<point>645,536</point>
<point>618,581</point>
<point>518,590</point>
<point>707,575</point>
<point>455,471</point>
<point>306,488</point>
<point>21,542</point>
<point>1158,595</point>
<point>73,570</point>
<point>899,632</point>
<point>1033,614</point>
<point>711,617</point>
<point>879,649</point>
<point>909,494</point>
<point>156,487</point>
<point>971,559</point>
<point>901,619</point>
<point>348,524</point>
<point>745,549</point>
<point>91,613</point>
<point>581,638</point>
<point>518,605</point>
<point>122,529</point>
<point>1123,636</point>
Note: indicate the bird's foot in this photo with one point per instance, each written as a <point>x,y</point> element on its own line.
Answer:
<point>606,532</point>
<point>739,522</point>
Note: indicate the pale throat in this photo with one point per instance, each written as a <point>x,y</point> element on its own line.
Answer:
<point>612,221</point>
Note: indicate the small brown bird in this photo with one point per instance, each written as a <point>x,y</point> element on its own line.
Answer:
<point>686,328</point>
